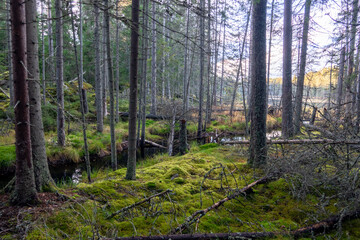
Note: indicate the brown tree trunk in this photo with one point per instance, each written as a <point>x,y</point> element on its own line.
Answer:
<point>258,149</point>
<point>287,128</point>
<point>98,90</point>
<point>41,169</point>
<point>131,163</point>
<point>25,191</point>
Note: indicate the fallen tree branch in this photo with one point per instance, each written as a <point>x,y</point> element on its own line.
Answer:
<point>299,141</point>
<point>320,227</point>
<point>125,145</point>
<point>200,213</point>
<point>325,132</point>
<point>137,203</point>
<point>247,235</point>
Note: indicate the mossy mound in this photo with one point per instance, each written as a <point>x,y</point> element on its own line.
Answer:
<point>197,180</point>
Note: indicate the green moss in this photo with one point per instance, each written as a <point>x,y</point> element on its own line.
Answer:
<point>8,155</point>
<point>208,145</point>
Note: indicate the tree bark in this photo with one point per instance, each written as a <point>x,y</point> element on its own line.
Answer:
<point>51,44</point>
<point>144,77</point>
<point>111,87</point>
<point>202,45</point>
<point>43,178</point>
<point>43,56</point>
<point>287,128</point>
<point>350,70</point>
<point>223,57</point>
<point>339,94</point>
<point>300,80</point>
<point>117,64</point>
<point>258,151</point>
<point>59,74</point>
<point>269,54</point>
<point>153,62</point>
<point>131,163</point>
<point>25,190</point>
<point>10,64</point>
<point>98,87</point>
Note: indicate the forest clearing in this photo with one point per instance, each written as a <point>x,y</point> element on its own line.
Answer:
<point>169,119</point>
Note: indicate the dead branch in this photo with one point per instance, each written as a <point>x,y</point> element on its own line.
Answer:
<point>299,141</point>
<point>200,213</point>
<point>204,236</point>
<point>138,203</point>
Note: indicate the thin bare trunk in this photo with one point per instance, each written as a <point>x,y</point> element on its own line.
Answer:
<point>153,62</point>
<point>59,74</point>
<point>301,77</point>
<point>286,97</point>
<point>339,94</point>
<point>80,92</point>
<point>202,45</point>
<point>223,58</point>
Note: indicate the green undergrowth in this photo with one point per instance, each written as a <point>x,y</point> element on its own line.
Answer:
<point>196,181</point>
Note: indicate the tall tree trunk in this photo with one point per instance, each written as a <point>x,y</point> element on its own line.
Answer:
<point>223,57</point>
<point>25,190</point>
<point>105,73</point>
<point>202,45</point>
<point>269,54</point>
<point>183,131</point>
<point>111,87</point>
<point>81,96</point>
<point>153,62</point>
<point>144,76</point>
<point>131,163</point>
<point>287,128</point>
<point>339,94</point>
<point>98,90</point>
<point>43,55</point>
<point>216,51</point>
<point>9,39</point>
<point>51,45</point>
<point>258,149</point>
<point>43,178</point>
<point>59,74</point>
<point>208,97</point>
<point>117,65</point>
<point>350,71</point>
<point>300,81</point>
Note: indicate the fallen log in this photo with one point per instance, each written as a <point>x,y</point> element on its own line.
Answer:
<point>200,213</point>
<point>137,203</point>
<point>125,145</point>
<point>325,132</point>
<point>299,141</point>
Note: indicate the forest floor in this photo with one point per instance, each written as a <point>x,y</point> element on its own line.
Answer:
<point>170,193</point>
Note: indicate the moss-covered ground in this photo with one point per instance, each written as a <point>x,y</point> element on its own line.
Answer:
<point>198,179</point>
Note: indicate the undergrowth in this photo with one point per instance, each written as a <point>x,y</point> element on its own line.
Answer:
<point>196,180</point>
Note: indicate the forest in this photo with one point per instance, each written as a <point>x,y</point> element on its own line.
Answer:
<point>169,119</point>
